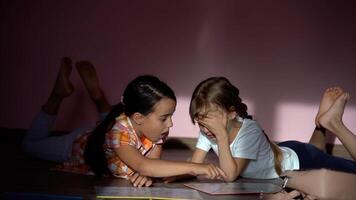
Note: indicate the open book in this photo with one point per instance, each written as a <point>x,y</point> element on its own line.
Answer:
<point>235,187</point>
<point>152,193</point>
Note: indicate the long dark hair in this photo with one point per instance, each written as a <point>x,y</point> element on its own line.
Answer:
<point>219,91</point>
<point>140,95</point>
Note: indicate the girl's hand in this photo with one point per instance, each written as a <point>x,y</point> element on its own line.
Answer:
<point>138,181</point>
<point>281,195</point>
<point>209,171</point>
<point>169,179</point>
<point>216,122</point>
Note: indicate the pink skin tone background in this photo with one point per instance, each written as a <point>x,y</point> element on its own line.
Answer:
<point>281,56</point>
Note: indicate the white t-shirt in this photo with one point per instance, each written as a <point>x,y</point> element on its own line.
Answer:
<point>251,143</point>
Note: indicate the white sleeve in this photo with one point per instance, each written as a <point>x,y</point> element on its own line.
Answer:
<point>203,143</point>
<point>248,144</point>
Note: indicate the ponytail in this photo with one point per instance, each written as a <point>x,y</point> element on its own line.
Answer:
<point>277,154</point>
<point>94,154</point>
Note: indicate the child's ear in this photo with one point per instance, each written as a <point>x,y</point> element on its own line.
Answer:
<point>138,118</point>
<point>232,113</point>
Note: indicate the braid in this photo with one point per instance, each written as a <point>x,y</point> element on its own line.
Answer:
<point>277,154</point>
<point>242,109</point>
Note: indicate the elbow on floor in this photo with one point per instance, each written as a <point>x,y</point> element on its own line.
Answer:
<point>230,179</point>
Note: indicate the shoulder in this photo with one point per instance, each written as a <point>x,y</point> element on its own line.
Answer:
<point>122,125</point>
<point>122,132</point>
<point>250,126</point>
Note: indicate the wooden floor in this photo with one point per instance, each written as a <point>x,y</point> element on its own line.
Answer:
<point>22,174</point>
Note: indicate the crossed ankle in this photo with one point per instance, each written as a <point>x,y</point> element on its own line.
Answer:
<point>321,129</point>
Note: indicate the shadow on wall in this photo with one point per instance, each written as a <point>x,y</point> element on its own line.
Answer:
<point>288,120</point>
<point>276,53</point>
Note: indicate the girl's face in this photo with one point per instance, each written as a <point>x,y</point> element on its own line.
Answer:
<point>156,124</point>
<point>206,131</point>
<point>218,117</point>
<point>202,115</point>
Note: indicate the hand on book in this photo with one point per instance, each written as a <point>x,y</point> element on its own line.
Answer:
<point>209,171</point>
<point>283,195</point>
<point>138,180</point>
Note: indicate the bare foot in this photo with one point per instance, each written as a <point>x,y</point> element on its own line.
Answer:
<point>63,87</point>
<point>89,77</point>
<point>332,119</point>
<point>327,100</point>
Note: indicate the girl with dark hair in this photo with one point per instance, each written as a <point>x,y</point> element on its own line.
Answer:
<point>128,141</point>
<point>242,146</point>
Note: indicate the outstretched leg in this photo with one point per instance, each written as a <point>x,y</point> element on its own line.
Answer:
<point>90,79</point>
<point>38,142</point>
<point>62,88</point>
<point>318,137</point>
<point>332,121</point>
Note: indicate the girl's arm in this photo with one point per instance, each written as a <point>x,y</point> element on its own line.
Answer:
<point>156,152</point>
<point>231,166</point>
<point>216,122</point>
<point>323,183</point>
<point>139,180</point>
<point>198,157</point>
<point>161,168</point>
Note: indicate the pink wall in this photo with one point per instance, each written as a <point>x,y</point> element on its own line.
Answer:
<point>280,55</point>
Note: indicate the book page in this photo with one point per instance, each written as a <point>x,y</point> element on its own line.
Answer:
<point>111,192</point>
<point>235,187</point>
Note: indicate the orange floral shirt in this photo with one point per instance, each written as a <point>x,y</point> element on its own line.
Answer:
<point>122,133</point>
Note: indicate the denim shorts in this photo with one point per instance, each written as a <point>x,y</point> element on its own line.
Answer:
<point>311,157</point>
